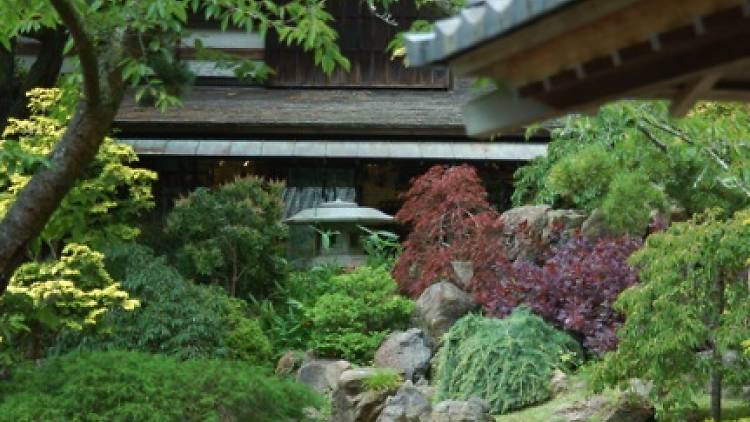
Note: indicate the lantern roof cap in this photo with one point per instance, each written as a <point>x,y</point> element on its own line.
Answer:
<point>339,211</point>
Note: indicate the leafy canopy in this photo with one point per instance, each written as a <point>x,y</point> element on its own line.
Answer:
<point>356,313</point>
<point>690,309</point>
<point>450,219</point>
<point>45,297</point>
<point>574,289</point>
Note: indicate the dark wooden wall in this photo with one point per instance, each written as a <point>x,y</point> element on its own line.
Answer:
<point>363,40</point>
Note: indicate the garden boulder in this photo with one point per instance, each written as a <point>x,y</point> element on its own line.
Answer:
<point>472,410</point>
<point>322,375</point>
<point>439,307</point>
<point>626,407</point>
<point>352,401</point>
<point>408,352</point>
<point>408,405</point>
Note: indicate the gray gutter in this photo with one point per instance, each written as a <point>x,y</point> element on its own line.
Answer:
<point>494,151</point>
<point>480,21</point>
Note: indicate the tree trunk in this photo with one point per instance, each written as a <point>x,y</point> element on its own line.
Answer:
<point>43,73</point>
<point>716,358</point>
<point>37,201</point>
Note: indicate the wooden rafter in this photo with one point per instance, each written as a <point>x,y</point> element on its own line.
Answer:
<point>684,100</point>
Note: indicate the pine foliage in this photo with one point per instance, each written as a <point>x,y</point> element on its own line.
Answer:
<point>508,362</point>
<point>632,158</point>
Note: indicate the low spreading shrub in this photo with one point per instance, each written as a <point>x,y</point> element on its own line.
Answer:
<point>131,386</point>
<point>176,317</point>
<point>508,362</point>
<point>354,316</point>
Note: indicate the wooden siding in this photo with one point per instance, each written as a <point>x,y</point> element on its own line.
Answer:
<point>363,40</point>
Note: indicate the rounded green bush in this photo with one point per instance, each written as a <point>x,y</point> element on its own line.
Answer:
<point>133,386</point>
<point>355,315</point>
<point>508,362</point>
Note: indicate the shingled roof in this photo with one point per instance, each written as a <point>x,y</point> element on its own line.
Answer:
<point>251,111</point>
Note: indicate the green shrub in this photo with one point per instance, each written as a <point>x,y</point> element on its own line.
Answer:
<point>354,316</point>
<point>508,362</point>
<point>131,386</point>
<point>232,236</point>
<point>176,317</point>
<point>283,316</point>
<point>45,297</point>
<point>383,380</point>
<point>247,342</point>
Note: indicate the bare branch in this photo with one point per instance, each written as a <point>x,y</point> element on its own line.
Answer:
<point>659,144</point>
<point>84,47</point>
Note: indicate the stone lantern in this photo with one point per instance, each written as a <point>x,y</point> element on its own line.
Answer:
<point>339,221</point>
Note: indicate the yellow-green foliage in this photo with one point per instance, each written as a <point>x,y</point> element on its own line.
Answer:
<point>508,362</point>
<point>72,292</point>
<point>102,204</point>
<point>357,312</point>
<point>384,379</point>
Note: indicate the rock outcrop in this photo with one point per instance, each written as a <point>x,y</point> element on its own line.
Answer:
<point>530,231</point>
<point>408,405</point>
<point>322,375</point>
<point>352,402</point>
<point>472,410</point>
<point>408,352</point>
<point>439,307</point>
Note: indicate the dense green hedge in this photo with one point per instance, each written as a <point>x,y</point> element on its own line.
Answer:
<point>132,386</point>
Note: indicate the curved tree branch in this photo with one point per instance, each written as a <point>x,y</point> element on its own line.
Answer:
<point>85,49</point>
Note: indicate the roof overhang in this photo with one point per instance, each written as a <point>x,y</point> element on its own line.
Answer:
<point>377,149</point>
<point>553,57</point>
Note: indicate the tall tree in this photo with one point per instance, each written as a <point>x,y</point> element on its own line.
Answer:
<point>115,44</point>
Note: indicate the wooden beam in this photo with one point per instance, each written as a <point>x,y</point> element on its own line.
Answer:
<point>636,23</point>
<point>573,16</point>
<point>712,52</point>
<point>683,101</point>
<point>485,116</point>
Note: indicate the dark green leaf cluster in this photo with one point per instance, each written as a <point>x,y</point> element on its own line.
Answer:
<point>632,158</point>
<point>131,386</point>
<point>232,236</point>
<point>508,362</point>
<point>176,317</point>
<point>689,311</point>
